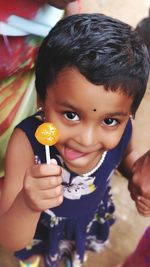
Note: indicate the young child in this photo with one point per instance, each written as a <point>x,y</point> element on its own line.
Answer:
<point>91,74</point>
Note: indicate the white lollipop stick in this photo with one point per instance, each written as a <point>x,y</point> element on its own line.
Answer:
<point>47,135</point>
<point>47,151</point>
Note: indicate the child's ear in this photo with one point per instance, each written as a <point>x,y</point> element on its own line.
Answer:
<point>39,103</point>
<point>132,116</point>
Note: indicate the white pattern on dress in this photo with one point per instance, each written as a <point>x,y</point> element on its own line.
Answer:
<point>78,187</point>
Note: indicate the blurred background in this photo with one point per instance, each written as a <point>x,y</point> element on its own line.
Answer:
<point>130,225</point>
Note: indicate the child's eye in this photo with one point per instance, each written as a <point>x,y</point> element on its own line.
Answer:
<point>110,122</point>
<point>72,116</point>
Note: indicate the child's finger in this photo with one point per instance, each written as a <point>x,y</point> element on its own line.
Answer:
<point>51,193</point>
<point>46,203</point>
<point>43,170</point>
<point>48,182</point>
<point>52,203</point>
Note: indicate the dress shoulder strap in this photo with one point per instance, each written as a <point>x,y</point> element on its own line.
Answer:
<point>29,126</point>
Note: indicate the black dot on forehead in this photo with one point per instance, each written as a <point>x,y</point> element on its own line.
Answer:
<point>94,109</point>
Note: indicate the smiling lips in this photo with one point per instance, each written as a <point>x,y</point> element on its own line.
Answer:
<point>71,154</point>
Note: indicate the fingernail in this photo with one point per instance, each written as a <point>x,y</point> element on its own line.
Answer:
<point>54,161</point>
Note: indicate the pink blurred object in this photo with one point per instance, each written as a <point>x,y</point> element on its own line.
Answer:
<point>141,256</point>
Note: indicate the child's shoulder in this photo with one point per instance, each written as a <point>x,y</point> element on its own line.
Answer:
<point>30,123</point>
<point>35,119</point>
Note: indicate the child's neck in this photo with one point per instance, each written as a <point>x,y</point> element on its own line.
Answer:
<point>100,162</point>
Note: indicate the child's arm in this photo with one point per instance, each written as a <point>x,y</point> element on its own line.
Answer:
<point>28,190</point>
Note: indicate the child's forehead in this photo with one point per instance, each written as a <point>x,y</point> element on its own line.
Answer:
<point>72,89</point>
<point>72,77</point>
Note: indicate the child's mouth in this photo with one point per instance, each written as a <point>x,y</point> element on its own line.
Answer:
<point>71,154</point>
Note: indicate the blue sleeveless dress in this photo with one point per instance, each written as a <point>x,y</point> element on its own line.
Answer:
<point>83,220</point>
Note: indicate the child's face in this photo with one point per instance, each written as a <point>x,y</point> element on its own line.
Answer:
<point>90,119</point>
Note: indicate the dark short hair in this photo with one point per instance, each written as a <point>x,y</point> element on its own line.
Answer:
<point>143,28</point>
<point>106,51</point>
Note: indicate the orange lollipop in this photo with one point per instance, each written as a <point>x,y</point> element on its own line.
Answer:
<point>47,134</point>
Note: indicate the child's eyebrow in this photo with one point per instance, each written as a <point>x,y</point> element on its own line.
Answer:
<point>68,105</point>
<point>118,113</point>
<point>109,114</point>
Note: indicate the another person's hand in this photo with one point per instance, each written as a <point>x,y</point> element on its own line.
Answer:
<point>42,187</point>
<point>139,185</point>
<point>58,3</point>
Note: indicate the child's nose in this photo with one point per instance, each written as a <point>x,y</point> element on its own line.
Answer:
<point>87,136</point>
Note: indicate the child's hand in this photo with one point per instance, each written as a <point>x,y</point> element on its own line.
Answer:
<point>139,186</point>
<point>42,187</point>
